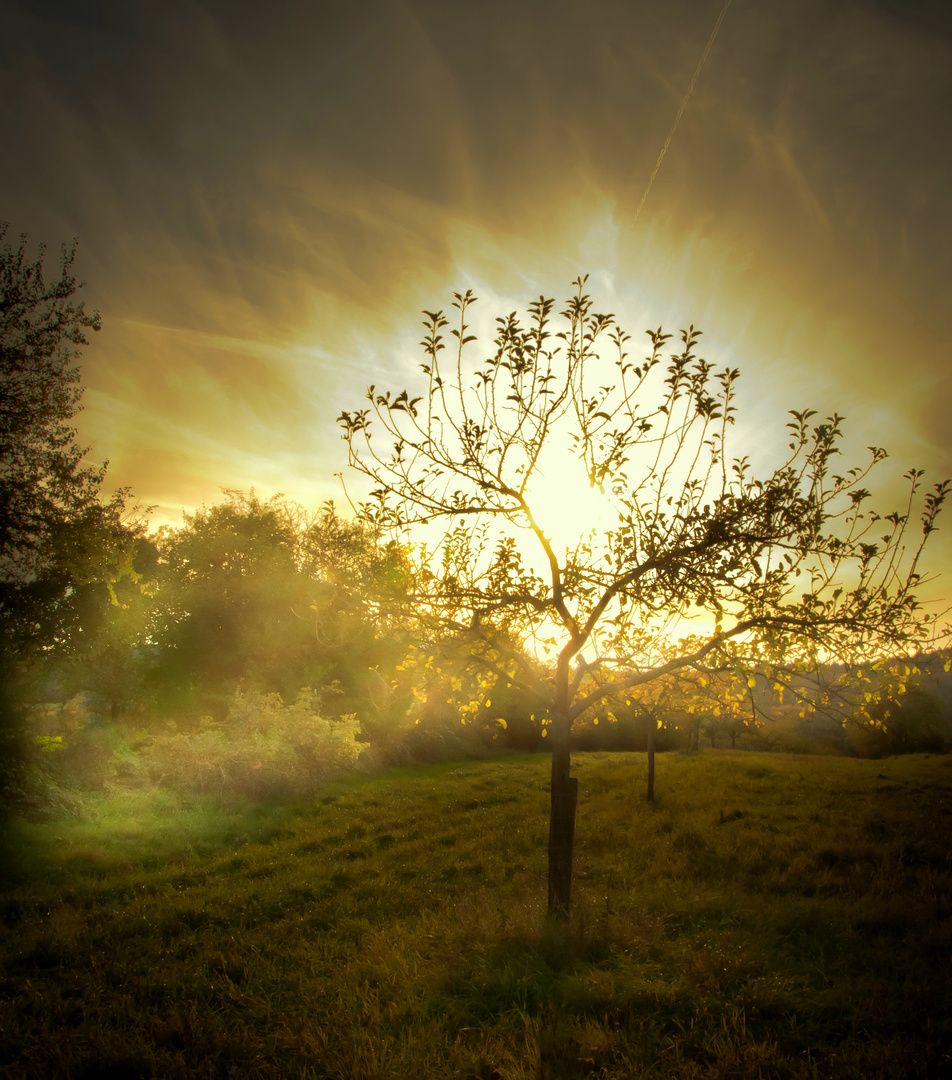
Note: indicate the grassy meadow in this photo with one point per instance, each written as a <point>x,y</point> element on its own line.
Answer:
<point>771,916</point>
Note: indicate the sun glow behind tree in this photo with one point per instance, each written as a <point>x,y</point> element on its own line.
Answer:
<point>566,505</point>
<point>788,563</point>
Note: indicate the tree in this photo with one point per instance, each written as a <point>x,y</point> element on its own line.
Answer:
<point>227,583</point>
<point>56,533</point>
<point>105,623</point>
<point>260,592</point>
<point>703,564</point>
<point>47,495</point>
<point>42,479</point>
<point>678,694</point>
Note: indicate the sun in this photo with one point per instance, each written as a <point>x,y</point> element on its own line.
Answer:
<point>563,502</point>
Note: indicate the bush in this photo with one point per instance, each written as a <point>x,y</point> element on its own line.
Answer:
<point>263,748</point>
<point>62,755</point>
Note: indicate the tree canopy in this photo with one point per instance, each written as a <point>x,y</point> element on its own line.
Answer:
<point>57,538</point>
<point>56,532</point>
<point>42,478</point>
<point>704,562</point>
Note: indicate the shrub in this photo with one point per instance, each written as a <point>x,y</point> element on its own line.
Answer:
<point>64,754</point>
<point>263,748</point>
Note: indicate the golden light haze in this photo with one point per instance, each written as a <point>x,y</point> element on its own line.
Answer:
<point>265,202</point>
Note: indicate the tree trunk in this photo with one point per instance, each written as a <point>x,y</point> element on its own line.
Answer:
<point>561,821</point>
<point>652,725</point>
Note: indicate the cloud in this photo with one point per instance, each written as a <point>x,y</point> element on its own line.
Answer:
<point>266,203</point>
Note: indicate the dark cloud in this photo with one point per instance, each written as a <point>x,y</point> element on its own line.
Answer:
<point>930,17</point>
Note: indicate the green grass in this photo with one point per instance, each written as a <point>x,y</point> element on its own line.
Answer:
<point>771,916</point>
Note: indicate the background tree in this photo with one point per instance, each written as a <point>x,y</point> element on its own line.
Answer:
<point>100,575</point>
<point>51,516</point>
<point>357,583</point>
<point>227,584</point>
<point>43,481</point>
<point>259,593</point>
<point>704,563</point>
<point>668,700</point>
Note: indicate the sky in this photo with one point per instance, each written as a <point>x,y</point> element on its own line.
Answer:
<point>267,196</point>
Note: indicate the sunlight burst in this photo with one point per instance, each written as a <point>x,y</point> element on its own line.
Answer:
<point>564,503</point>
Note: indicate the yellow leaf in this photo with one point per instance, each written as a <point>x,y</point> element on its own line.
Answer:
<point>499,720</point>
<point>751,681</point>
<point>595,721</point>
<point>544,733</point>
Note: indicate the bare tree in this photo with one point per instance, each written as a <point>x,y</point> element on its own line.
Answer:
<point>704,563</point>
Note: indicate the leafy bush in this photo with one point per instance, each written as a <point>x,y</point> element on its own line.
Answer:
<point>63,754</point>
<point>263,748</point>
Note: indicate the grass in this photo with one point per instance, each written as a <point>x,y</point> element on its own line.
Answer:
<point>771,916</point>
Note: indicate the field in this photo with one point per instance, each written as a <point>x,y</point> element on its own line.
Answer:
<point>771,916</point>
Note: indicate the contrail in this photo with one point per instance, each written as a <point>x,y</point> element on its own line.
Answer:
<point>683,106</point>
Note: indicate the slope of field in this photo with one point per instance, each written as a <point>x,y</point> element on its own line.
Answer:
<point>771,916</point>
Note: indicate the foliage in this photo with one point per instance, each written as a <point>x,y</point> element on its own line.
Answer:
<point>62,548</point>
<point>249,595</point>
<point>441,692</point>
<point>262,593</point>
<point>43,482</point>
<point>87,643</point>
<point>227,586</point>
<point>705,563</point>
<point>263,748</point>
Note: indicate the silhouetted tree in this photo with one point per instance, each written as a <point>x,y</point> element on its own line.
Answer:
<point>43,481</point>
<point>769,570</point>
<point>51,516</point>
